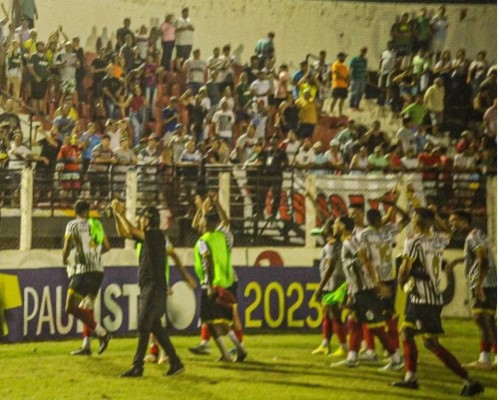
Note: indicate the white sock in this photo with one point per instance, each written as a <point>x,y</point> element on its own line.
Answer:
<point>370,353</point>
<point>410,376</point>
<point>86,342</point>
<point>205,343</point>
<point>233,337</point>
<point>485,357</point>
<point>325,343</point>
<point>352,355</point>
<point>100,331</point>
<point>395,357</point>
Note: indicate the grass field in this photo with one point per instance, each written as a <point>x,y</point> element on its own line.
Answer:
<point>278,367</point>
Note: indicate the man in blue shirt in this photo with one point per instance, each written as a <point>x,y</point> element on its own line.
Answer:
<point>358,74</point>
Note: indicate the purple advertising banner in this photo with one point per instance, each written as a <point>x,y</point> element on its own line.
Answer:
<point>269,298</point>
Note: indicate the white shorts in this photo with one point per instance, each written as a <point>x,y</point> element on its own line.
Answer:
<point>14,73</point>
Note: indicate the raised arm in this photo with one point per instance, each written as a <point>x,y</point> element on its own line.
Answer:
<point>124,227</point>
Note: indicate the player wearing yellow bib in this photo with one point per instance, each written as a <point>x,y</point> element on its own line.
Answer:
<point>213,267</point>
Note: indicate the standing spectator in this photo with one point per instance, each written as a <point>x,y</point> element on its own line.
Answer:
<point>261,88</point>
<point>214,62</point>
<point>127,54</point>
<point>402,36</point>
<point>244,146</point>
<point>38,67</point>
<point>340,82</point>
<point>489,120</point>
<point>142,42</point>
<point>416,111</point>
<point>176,142</point>
<point>387,66</point>
<point>168,38</point>
<point>64,123</point>
<point>308,115</point>
<point>151,71</point>
<point>69,159</point>
<point>26,9</point>
<point>439,25</point>
<point>252,69</point>
<point>195,69</point>
<point>170,117</point>
<point>226,75</point>
<point>288,115</point>
<point>477,72</point>
<point>98,171</point>
<point>14,63</point>
<point>422,31</point>
<point>122,32</point>
<point>421,69</point>
<point>358,73</point>
<point>282,80</point>
<point>80,67</point>
<point>125,159</point>
<point>67,62</point>
<point>296,78</point>
<point>223,121</point>
<point>88,141</point>
<point>112,90</point>
<point>322,69</point>
<point>23,31</point>
<point>265,49</point>
<point>459,91</point>
<point>138,113</point>
<point>50,146</point>
<point>98,71</point>
<point>184,35</point>
<point>434,103</point>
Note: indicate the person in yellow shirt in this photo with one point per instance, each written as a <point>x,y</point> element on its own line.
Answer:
<point>340,82</point>
<point>29,46</point>
<point>308,114</point>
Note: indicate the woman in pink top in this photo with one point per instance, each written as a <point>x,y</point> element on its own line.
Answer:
<point>168,32</point>
<point>281,85</point>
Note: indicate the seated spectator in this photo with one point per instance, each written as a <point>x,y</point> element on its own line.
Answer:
<point>10,117</point>
<point>377,161</point>
<point>244,146</point>
<point>374,137</point>
<point>305,156</point>
<point>148,161</point>
<point>481,103</point>
<point>177,141</point>
<point>489,120</point>
<point>125,159</point>
<point>477,72</point>
<point>490,82</point>
<point>393,155</point>
<point>428,161</point>
<point>345,135</point>
<point>334,157</point>
<point>320,160</point>
<point>406,135</point>
<point>359,162</point>
<point>291,146</point>
<point>410,161</point>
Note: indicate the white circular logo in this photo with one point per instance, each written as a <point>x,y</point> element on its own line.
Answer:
<point>181,305</point>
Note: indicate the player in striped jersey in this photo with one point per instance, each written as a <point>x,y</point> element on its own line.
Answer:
<point>331,291</point>
<point>377,241</point>
<point>84,243</point>
<point>364,300</point>
<point>420,274</point>
<point>481,274</point>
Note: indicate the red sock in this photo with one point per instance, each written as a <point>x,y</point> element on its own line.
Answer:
<point>384,338</point>
<point>87,331</point>
<point>154,350</point>
<point>326,327</point>
<point>354,336</point>
<point>239,334</point>
<point>340,330</point>
<point>486,346</point>
<point>205,333</point>
<point>411,355</point>
<point>450,361</point>
<point>392,330</point>
<point>368,337</point>
<point>86,316</point>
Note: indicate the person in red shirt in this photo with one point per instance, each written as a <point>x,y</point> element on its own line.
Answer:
<point>428,161</point>
<point>69,162</point>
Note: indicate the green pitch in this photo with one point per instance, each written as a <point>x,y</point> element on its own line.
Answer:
<point>278,367</point>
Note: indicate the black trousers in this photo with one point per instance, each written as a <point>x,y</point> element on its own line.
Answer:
<point>151,307</point>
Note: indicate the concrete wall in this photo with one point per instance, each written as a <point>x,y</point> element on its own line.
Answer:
<point>300,26</point>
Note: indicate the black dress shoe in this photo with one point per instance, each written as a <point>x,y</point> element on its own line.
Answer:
<point>82,352</point>
<point>104,342</point>
<point>133,372</point>
<point>175,369</point>
<point>406,384</point>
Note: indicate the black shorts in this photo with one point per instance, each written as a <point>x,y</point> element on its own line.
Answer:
<point>87,284</point>
<point>38,89</point>
<point>367,308</point>
<point>423,318</point>
<point>211,311</point>
<point>488,306</point>
<point>340,93</point>
<point>388,304</point>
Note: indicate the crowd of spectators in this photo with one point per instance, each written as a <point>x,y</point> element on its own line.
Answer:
<point>133,104</point>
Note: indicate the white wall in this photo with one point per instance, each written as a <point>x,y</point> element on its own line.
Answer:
<point>300,26</point>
